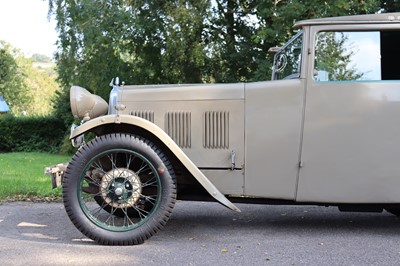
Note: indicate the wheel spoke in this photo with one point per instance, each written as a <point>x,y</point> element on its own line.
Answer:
<point>111,159</point>
<point>98,166</point>
<point>151,182</point>
<point>96,211</point>
<point>112,190</point>
<point>144,166</point>
<point>127,220</point>
<point>129,160</point>
<point>142,213</point>
<point>151,199</point>
<point>90,180</point>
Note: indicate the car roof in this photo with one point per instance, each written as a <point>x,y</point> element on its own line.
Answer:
<point>357,19</point>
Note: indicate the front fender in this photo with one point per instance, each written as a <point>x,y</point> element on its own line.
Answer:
<point>162,136</point>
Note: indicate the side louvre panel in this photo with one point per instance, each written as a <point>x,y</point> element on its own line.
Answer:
<point>178,127</point>
<point>148,115</point>
<point>216,130</point>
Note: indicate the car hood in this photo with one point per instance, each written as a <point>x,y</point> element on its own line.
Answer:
<point>187,92</point>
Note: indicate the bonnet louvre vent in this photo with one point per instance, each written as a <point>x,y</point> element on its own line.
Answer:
<point>216,130</point>
<point>178,127</point>
<point>148,115</point>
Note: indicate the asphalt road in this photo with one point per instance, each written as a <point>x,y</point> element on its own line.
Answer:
<point>208,234</point>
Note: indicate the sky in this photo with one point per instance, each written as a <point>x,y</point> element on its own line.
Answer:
<point>24,24</point>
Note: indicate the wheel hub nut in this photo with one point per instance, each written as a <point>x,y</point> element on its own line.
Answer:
<point>118,191</point>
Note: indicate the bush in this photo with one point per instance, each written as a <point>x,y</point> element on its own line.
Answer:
<point>37,133</point>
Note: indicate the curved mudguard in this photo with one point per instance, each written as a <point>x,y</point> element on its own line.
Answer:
<point>161,135</point>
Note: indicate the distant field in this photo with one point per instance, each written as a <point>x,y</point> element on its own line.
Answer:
<point>22,176</point>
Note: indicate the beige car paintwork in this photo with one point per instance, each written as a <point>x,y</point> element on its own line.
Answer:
<point>299,139</point>
<point>351,139</point>
<point>273,130</point>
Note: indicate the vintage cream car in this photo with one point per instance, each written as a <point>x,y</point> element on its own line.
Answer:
<point>324,131</point>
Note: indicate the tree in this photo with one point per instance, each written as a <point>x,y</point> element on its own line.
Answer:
<point>41,58</point>
<point>333,56</point>
<point>90,36</point>
<point>233,27</point>
<point>185,58</point>
<point>40,83</point>
<point>12,83</point>
<point>390,6</point>
<point>27,89</point>
<point>140,41</point>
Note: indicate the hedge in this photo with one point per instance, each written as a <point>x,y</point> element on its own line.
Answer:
<point>43,134</point>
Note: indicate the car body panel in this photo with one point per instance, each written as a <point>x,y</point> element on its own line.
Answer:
<point>351,141</point>
<point>274,113</point>
<point>205,120</point>
<point>207,130</point>
<point>184,92</point>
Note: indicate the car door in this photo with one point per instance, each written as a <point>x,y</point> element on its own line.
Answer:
<point>273,122</point>
<point>351,141</point>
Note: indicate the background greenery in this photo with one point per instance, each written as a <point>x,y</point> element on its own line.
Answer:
<point>31,133</point>
<point>142,42</point>
<point>27,84</point>
<point>22,176</point>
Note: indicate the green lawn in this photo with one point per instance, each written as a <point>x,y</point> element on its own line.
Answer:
<point>22,176</point>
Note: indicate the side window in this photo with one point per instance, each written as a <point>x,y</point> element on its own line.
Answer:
<point>357,56</point>
<point>287,61</point>
<point>344,56</point>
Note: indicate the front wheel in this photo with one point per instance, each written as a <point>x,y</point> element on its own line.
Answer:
<point>119,189</point>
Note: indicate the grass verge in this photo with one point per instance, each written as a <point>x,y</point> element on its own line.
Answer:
<point>22,176</point>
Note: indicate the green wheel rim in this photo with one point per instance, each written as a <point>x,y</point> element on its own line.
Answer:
<point>126,183</point>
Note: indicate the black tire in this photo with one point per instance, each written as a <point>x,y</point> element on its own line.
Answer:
<point>119,189</point>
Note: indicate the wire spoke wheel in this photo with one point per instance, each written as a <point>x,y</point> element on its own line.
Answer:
<point>119,183</point>
<point>119,190</point>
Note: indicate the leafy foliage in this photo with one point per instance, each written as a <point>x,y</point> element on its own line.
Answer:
<point>27,89</point>
<point>12,84</point>
<point>30,133</point>
<point>178,41</point>
<point>41,86</point>
<point>390,5</point>
<point>333,57</point>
